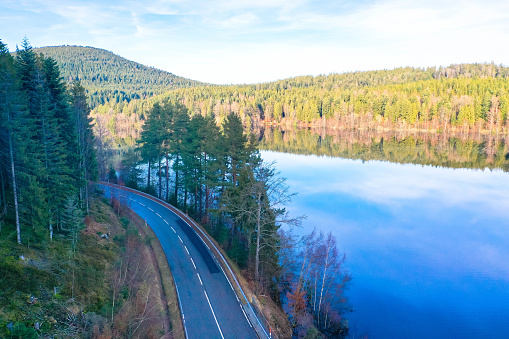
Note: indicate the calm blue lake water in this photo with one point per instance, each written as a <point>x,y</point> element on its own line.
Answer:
<point>428,248</point>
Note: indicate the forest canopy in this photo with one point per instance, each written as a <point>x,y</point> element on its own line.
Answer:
<point>109,78</point>
<point>472,98</point>
<point>46,147</point>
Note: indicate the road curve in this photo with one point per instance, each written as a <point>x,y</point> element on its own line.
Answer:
<point>209,305</point>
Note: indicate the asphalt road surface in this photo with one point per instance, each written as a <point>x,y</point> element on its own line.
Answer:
<point>210,307</point>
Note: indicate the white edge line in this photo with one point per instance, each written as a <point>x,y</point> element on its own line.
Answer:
<point>245,315</point>
<point>228,280</point>
<point>181,311</point>
<point>224,260</point>
<point>221,332</point>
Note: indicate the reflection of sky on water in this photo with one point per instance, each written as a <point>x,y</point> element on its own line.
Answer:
<point>428,247</point>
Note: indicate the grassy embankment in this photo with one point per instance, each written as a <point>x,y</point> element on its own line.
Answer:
<point>109,287</point>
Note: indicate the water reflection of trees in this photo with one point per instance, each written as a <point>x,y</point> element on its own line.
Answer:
<point>436,149</point>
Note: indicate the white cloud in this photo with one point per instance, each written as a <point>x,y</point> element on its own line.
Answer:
<point>245,41</point>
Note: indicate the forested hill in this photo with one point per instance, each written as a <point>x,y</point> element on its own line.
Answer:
<point>108,77</point>
<point>467,98</point>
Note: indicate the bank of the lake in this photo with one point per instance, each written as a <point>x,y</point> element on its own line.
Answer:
<point>427,247</point>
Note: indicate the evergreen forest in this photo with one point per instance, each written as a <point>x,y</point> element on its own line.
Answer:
<point>46,163</point>
<point>47,156</point>
<point>466,98</point>
<point>109,78</point>
<point>214,173</point>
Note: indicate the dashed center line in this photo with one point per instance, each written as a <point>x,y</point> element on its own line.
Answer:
<point>199,277</point>
<point>221,332</point>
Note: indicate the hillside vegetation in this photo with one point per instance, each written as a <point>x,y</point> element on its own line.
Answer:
<point>68,264</point>
<point>109,78</point>
<point>471,98</point>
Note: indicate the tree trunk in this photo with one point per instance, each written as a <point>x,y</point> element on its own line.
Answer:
<point>258,236</point>
<point>45,138</point>
<point>4,200</point>
<point>323,279</point>
<point>196,193</point>
<point>167,178</point>
<point>176,179</point>
<point>185,199</point>
<point>160,180</point>
<point>14,186</point>
<point>50,227</point>
<point>86,192</point>
<point>148,176</point>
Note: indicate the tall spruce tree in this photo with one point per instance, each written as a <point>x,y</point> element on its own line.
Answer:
<point>86,163</point>
<point>51,170</point>
<point>10,106</point>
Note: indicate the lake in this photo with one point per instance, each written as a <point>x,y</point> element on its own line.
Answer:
<point>427,246</point>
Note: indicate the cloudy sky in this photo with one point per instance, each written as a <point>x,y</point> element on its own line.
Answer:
<point>248,41</point>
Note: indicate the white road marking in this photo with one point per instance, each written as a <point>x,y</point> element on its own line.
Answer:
<point>173,229</point>
<point>221,332</point>
<point>180,304</point>
<point>210,305</point>
<point>227,279</point>
<point>158,215</point>
<point>245,315</point>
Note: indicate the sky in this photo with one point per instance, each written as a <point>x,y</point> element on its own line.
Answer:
<point>245,41</point>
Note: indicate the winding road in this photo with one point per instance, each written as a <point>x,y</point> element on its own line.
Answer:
<point>209,305</point>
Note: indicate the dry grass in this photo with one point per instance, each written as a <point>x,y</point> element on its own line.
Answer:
<point>169,294</point>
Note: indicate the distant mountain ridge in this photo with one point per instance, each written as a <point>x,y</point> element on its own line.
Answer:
<point>109,78</point>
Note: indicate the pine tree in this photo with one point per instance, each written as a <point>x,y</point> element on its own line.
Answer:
<point>87,163</point>
<point>9,107</point>
<point>239,148</point>
<point>150,140</point>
